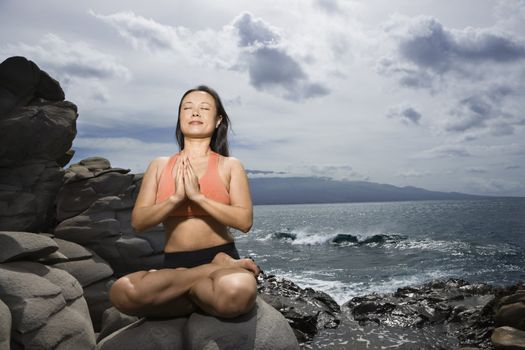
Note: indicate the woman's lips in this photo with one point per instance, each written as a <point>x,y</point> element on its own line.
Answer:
<point>195,122</point>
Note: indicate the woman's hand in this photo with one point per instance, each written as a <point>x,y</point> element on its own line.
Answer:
<point>180,191</point>
<point>191,181</point>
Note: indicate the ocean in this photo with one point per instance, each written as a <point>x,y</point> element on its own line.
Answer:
<point>353,249</point>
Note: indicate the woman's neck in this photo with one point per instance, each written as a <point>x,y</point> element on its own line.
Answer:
<point>196,148</point>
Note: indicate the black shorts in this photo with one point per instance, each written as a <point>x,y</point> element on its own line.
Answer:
<point>198,257</point>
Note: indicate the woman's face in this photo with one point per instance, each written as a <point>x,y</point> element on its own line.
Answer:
<point>198,115</point>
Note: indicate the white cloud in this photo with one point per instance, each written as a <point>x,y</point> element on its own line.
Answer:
<point>65,60</point>
<point>413,173</point>
<point>452,151</point>
<point>123,152</point>
<point>404,113</point>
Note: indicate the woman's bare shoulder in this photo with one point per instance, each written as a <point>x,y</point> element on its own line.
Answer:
<point>157,164</point>
<point>232,163</point>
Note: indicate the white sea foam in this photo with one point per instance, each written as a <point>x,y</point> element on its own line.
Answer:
<point>343,292</point>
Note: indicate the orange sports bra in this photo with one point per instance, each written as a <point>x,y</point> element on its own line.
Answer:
<point>210,185</point>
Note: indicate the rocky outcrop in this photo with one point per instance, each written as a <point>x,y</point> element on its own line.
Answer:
<point>5,325</point>
<point>21,82</point>
<point>46,308</point>
<point>37,129</point>
<point>510,320</point>
<point>262,328</point>
<point>94,209</point>
<point>45,282</point>
<point>308,311</point>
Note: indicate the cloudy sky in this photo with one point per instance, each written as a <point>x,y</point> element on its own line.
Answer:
<point>423,93</point>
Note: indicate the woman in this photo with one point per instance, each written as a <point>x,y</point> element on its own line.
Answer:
<point>196,194</point>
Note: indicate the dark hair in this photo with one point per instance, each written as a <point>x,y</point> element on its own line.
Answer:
<point>219,139</point>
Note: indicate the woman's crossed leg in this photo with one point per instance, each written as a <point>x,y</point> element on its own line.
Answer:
<point>226,287</point>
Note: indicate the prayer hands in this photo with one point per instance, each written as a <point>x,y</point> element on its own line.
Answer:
<point>186,182</point>
<point>191,181</point>
<point>180,192</point>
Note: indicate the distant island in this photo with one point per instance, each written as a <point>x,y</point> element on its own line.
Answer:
<point>303,190</point>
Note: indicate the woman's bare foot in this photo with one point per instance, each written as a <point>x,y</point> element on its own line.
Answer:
<point>224,259</point>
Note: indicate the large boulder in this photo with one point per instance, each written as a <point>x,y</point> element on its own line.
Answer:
<point>24,245</point>
<point>21,81</point>
<point>508,338</point>
<point>5,325</point>
<point>46,306</point>
<point>37,129</point>
<point>93,274</point>
<point>94,210</point>
<point>262,328</point>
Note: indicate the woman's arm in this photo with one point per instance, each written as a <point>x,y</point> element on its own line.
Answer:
<point>239,214</point>
<point>146,213</point>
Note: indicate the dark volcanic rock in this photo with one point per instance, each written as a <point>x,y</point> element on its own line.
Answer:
<point>37,129</point>
<point>508,338</point>
<point>437,315</point>
<point>21,81</point>
<point>307,310</point>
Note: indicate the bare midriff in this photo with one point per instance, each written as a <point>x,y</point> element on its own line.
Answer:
<point>192,233</point>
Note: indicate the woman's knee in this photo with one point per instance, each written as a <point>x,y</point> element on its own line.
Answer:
<point>126,295</point>
<point>236,293</point>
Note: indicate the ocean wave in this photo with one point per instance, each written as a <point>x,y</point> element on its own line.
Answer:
<point>342,292</point>
<point>341,239</point>
<point>389,241</point>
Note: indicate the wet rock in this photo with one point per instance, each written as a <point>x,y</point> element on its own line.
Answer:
<point>307,310</point>
<point>508,338</point>
<point>512,315</point>
<point>443,314</point>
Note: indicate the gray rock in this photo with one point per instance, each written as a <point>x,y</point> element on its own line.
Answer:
<point>87,271</point>
<point>21,81</point>
<point>24,245</point>
<point>518,296</point>
<point>52,127</point>
<point>508,338</point>
<point>134,246</point>
<point>28,190</point>
<point>262,328</point>
<point>31,299</point>
<point>83,186</point>
<point>511,315</point>
<point>72,250</point>
<point>5,326</point>
<point>53,258</point>
<point>86,230</point>
<point>113,320</point>
<point>70,328</point>
<point>158,334</point>
<point>97,298</point>
<point>47,308</point>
